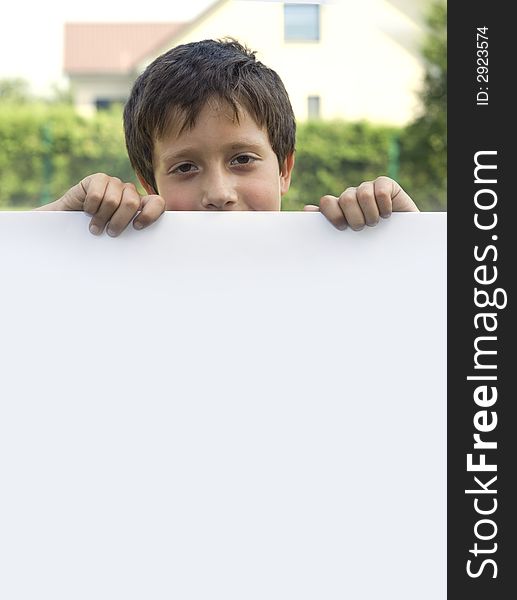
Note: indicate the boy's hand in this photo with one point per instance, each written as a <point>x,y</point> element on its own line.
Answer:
<point>111,203</point>
<point>365,204</point>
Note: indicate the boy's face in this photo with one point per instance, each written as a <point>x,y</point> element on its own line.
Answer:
<point>219,164</point>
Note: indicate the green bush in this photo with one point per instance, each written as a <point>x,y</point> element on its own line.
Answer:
<point>333,155</point>
<point>424,141</point>
<point>46,149</point>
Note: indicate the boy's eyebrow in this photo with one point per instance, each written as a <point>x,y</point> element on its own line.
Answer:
<point>235,145</point>
<point>244,144</point>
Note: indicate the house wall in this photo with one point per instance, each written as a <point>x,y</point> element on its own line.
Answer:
<point>87,89</point>
<point>365,66</point>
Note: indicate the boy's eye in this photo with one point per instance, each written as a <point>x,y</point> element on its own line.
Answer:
<point>243,159</point>
<point>184,168</point>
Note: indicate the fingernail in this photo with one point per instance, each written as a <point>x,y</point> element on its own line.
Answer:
<point>94,229</point>
<point>111,232</point>
<point>137,225</point>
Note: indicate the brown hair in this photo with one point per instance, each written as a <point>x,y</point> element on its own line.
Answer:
<point>178,84</point>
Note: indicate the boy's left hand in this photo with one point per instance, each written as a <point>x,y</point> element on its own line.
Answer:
<point>365,204</point>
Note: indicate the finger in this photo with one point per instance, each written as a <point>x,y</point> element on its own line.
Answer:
<point>152,207</point>
<point>383,191</point>
<point>351,209</point>
<point>330,208</point>
<point>94,187</point>
<point>366,198</point>
<point>109,203</point>
<point>392,198</point>
<point>129,206</point>
<point>311,208</point>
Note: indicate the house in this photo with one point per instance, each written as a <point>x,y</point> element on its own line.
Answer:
<point>100,59</point>
<point>337,58</point>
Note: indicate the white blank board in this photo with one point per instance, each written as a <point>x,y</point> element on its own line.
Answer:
<point>224,406</point>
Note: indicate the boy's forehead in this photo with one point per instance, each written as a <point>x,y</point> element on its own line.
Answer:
<point>182,121</point>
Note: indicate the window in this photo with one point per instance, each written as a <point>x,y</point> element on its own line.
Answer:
<point>301,22</point>
<point>313,107</point>
<point>107,103</point>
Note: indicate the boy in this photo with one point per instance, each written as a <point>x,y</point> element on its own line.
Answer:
<point>210,128</point>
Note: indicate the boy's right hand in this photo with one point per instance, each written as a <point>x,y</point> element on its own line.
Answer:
<point>112,204</point>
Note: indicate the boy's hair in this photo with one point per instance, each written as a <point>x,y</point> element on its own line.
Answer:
<point>175,87</point>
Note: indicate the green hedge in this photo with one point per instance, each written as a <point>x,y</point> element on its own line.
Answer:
<point>333,155</point>
<point>46,149</point>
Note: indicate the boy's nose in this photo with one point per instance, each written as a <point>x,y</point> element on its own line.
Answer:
<point>219,194</point>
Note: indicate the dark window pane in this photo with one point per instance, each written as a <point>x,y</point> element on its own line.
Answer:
<point>106,103</point>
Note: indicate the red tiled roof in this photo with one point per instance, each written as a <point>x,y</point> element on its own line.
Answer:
<point>112,47</point>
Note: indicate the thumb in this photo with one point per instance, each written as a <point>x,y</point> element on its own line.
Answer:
<point>311,208</point>
<point>402,202</point>
<point>74,198</point>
